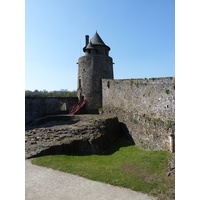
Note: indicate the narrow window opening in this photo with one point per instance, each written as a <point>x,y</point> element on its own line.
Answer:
<point>79,83</point>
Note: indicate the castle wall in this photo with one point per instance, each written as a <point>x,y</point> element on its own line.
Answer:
<point>146,107</point>
<point>92,69</point>
<point>40,106</point>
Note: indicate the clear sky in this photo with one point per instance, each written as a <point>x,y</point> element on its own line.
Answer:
<point>140,33</point>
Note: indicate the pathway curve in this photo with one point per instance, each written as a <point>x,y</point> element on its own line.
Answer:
<point>47,184</point>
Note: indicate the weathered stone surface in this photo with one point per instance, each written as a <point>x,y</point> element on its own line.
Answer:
<point>146,107</point>
<point>94,66</point>
<point>154,97</point>
<point>40,106</point>
<point>92,69</point>
<point>86,134</point>
<point>147,133</point>
<point>171,169</point>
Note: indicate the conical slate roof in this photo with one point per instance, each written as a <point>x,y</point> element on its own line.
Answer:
<point>96,39</point>
<point>90,46</point>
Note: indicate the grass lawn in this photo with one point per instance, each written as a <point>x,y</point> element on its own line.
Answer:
<point>123,165</point>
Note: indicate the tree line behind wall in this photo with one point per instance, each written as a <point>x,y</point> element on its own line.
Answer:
<point>45,93</point>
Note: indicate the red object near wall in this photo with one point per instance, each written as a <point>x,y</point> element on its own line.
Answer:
<point>77,107</point>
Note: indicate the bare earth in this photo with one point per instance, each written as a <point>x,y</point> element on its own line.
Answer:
<point>47,184</point>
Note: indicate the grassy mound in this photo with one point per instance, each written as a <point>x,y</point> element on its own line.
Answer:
<point>123,165</point>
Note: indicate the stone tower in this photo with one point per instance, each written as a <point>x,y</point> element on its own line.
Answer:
<point>94,66</point>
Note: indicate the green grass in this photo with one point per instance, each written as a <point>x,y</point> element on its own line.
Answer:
<point>124,165</point>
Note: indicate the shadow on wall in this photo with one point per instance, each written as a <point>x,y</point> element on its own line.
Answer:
<point>126,133</point>
<point>124,141</point>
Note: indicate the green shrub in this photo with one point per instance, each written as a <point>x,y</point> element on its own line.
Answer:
<point>100,110</point>
<point>146,117</point>
<point>131,82</point>
<point>157,121</point>
<point>108,84</point>
<point>166,91</point>
<point>136,83</point>
<point>169,123</point>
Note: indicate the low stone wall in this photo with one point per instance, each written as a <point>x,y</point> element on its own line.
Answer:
<point>146,107</point>
<point>39,107</point>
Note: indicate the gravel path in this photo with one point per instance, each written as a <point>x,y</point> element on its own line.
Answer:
<point>47,184</point>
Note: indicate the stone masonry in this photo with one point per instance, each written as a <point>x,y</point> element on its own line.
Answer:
<point>41,106</point>
<point>146,107</point>
<point>94,66</point>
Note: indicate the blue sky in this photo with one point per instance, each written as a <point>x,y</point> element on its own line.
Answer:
<point>140,33</point>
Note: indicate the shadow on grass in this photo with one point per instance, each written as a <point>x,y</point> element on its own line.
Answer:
<point>123,141</point>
